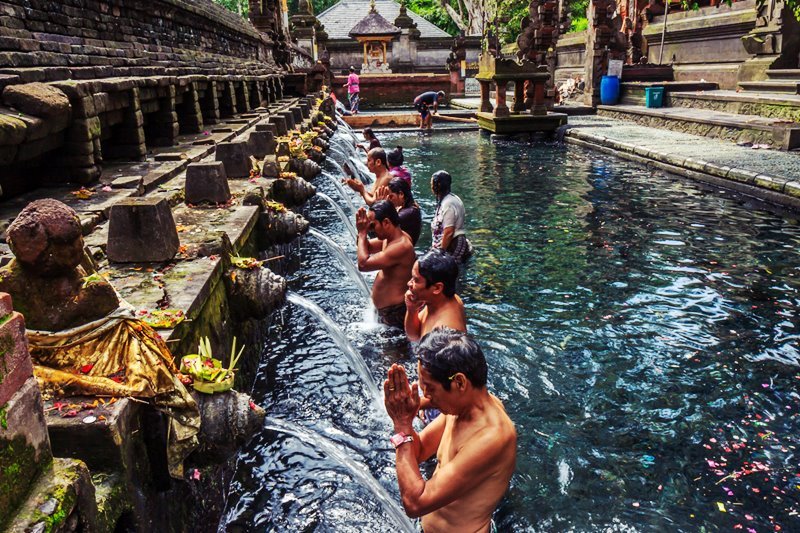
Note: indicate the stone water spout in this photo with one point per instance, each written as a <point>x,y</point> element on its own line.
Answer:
<point>51,280</point>
<point>254,291</point>
<point>292,191</point>
<point>229,420</point>
<point>279,225</point>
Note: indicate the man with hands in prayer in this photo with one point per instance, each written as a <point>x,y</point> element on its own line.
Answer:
<point>474,440</point>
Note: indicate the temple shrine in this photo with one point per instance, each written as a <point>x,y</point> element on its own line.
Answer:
<point>374,33</point>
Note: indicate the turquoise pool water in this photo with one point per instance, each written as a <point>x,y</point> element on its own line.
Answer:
<point>642,333</point>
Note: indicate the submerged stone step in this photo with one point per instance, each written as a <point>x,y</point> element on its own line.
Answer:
<point>777,133</point>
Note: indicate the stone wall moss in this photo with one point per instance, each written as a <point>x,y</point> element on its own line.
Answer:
<point>18,465</point>
<point>6,347</point>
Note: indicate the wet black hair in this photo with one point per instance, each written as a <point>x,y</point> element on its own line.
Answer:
<point>395,157</point>
<point>444,352</point>
<point>352,69</point>
<point>399,185</point>
<point>441,182</point>
<point>437,266</point>
<point>368,133</point>
<point>379,154</point>
<point>384,209</point>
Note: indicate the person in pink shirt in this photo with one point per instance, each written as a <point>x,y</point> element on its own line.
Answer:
<point>353,90</point>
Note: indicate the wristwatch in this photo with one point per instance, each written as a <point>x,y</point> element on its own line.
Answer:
<point>398,439</point>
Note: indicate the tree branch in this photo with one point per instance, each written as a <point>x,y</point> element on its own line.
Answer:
<point>459,22</point>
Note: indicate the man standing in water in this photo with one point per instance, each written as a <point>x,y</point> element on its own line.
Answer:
<point>431,299</point>
<point>475,441</point>
<point>378,165</point>
<point>392,253</point>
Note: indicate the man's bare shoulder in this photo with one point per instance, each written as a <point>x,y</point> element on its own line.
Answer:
<point>402,247</point>
<point>498,426</point>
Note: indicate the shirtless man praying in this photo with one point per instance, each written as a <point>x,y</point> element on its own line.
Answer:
<point>474,441</point>
<point>378,165</point>
<point>392,253</point>
<point>431,299</point>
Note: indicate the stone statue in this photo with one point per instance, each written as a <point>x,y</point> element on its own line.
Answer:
<point>51,280</point>
<point>458,53</point>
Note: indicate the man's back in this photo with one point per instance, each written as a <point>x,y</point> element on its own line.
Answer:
<point>473,510</point>
<point>429,98</point>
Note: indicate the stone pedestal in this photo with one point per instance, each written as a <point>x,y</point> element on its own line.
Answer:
<point>261,144</point>
<point>206,182</point>
<point>235,157</point>
<point>24,441</point>
<point>297,115</point>
<point>267,126</point>
<point>289,117</point>
<point>24,447</point>
<point>141,230</point>
<point>280,124</point>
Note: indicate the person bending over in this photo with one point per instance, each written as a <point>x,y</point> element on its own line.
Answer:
<point>431,299</point>
<point>377,164</point>
<point>475,441</point>
<point>391,253</point>
<point>447,225</point>
<point>427,104</point>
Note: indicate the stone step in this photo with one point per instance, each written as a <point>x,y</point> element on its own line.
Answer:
<point>61,499</point>
<point>767,105</point>
<point>777,133</point>
<point>784,74</point>
<point>772,86</point>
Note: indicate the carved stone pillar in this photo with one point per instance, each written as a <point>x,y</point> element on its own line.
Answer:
<point>519,97</point>
<point>486,105</point>
<point>500,108</point>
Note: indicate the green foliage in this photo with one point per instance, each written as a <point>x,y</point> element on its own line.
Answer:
<point>432,11</point>
<point>513,11</point>
<point>577,9</point>
<point>240,7</point>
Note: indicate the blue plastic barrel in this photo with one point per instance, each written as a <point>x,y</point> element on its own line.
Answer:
<point>609,90</point>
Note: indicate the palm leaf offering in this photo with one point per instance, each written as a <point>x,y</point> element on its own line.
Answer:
<point>207,372</point>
